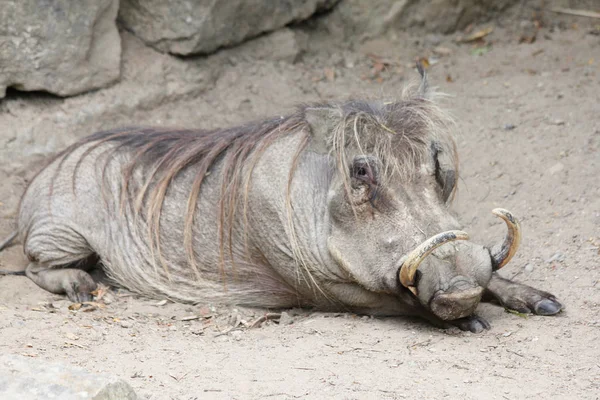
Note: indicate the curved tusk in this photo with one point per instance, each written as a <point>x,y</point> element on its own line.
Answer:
<point>502,253</point>
<point>411,263</point>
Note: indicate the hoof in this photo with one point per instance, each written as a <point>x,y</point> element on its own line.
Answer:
<point>549,306</point>
<point>79,297</point>
<point>472,323</point>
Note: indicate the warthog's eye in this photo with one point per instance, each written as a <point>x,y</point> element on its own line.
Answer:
<point>444,173</point>
<point>365,170</point>
<point>365,179</point>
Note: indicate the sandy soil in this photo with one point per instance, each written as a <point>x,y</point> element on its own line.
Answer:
<point>530,142</point>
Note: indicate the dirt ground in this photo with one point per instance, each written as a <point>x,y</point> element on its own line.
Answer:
<point>529,115</point>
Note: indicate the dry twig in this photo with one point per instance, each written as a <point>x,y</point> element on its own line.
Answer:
<point>266,317</point>
<point>579,13</point>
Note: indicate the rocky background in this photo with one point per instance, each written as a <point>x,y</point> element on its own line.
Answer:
<point>69,47</point>
<point>523,80</point>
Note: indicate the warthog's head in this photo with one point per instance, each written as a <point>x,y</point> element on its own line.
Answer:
<point>391,230</point>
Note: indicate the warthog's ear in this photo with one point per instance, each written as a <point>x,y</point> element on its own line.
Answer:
<point>445,171</point>
<point>322,121</point>
<point>424,86</point>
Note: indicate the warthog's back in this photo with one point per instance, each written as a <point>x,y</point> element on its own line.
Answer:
<point>77,206</point>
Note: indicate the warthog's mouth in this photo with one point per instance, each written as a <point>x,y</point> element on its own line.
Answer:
<point>501,255</point>
<point>449,306</point>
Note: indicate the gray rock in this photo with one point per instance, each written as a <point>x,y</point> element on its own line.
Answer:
<point>64,47</point>
<point>126,324</point>
<point>149,80</point>
<point>285,319</point>
<point>281,45</point>
<point>32,379</point>
<point>369,19</point>
<point>184,27</point>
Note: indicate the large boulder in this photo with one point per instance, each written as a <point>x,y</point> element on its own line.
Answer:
<point>193,27</point>
<point>33,379</point>
<point>368,19</point>
<point>64,47</point>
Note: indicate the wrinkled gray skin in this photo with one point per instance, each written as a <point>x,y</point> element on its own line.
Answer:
<point>353,257</point>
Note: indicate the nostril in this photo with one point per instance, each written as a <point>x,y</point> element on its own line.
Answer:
<point>459,283</point>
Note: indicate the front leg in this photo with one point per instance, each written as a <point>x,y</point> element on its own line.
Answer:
<point>76,283</point>
<point>521,298</point>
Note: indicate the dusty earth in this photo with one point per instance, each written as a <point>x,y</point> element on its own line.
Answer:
<point>529,142</point>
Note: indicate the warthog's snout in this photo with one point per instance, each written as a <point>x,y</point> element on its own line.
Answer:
<point>459,303</point>
<point>449,306</point>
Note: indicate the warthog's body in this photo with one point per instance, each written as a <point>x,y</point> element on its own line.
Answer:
<point>314,209</point>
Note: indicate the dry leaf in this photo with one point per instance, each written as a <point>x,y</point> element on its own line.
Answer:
<point>329,74</point>
<point>99,292</point>
<point>528,37</point>
<point>424,62</point>
<point>378,67</point>
<point>442,51</point>
<point>477,35</point>
<point>92,306</point>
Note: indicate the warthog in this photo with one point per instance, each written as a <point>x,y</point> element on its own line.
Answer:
<point>337,206</point>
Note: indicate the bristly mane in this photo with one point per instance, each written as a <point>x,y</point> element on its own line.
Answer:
<point>399,133</point>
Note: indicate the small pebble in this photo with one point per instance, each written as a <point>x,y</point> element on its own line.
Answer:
<point>509,127</point>
<point>556,168</point>
<point>236,335</point>
<point>285,319</point>
<point>558,256</point>
<point>528,268</point>
<point>125,324</point>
